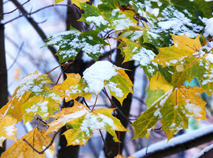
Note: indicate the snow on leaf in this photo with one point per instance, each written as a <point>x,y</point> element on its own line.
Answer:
<point>135,51</point>
<point>36,139</point>
<point>96,74</point>
<point>84,122</point>
<point>108,18</point>
<point>183,47</point>
<point>32,97</point>
<point>73,41</point>
<point>120,85</point>
<point>7,128</point>
<point>72,87</point>
<point>174,108</point>
<point>94,79</point>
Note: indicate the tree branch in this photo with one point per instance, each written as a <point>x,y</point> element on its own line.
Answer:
<point>35,26</point>
<point>177,144</point>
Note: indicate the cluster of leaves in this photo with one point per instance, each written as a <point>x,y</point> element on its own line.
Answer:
<point>169,60</point>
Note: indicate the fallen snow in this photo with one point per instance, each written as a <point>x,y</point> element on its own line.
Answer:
<point>96,74</point>
<point>95,122</point>
<point>162,145</point>
<point>144,56</point>
<point>9,130</point>
<point>113,87</point>
<point>28,83</point>
<point>204,151</point>
<point>192,108</point>
<point>209,27</point>
<point>66,118</point>
<point>98,20</point>
<point>177,23</point>
<point>209,57</point>
<point>123,22</point>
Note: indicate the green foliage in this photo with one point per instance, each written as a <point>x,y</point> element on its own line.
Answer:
<point>170,56</point>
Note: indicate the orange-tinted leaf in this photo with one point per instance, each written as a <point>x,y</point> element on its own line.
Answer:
<point>36,139</point>
<point>84,122</point>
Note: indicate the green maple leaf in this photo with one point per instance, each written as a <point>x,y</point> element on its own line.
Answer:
<point>174,108</point>
<point>200,67</point>
<point>112,19</point>
<point>84,122</point>
<point>73,41</point>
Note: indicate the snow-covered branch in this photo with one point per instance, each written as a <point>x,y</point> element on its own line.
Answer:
<point>177,144</point>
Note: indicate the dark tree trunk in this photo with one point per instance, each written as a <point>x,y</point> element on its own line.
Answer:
<point>73,14</point>
<point>112,148</point>
<point>3,67</point>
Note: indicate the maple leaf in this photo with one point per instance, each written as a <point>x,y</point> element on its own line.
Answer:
<point>153,95</point>
<point>36,139</point>
<point>113,19</point>
<point>158,82</point>
<point>32,97</point>
<point>135,51</point>
<point>8,128</point>
<point>200,67</point>
<point>174,108</point>
<point>73,41</point>
<point>72,87</point>
<point>100,74</point>
<point>84,122</point>
<point>183,47</point>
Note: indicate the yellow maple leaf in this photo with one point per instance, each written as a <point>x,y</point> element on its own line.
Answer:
<point>84,122</point>
<point>7,128</point>
<point>95,78</point>
<point>32,97</point>
<point>158,81</point>
<point>183,47</point>
<point>72,87</point>
<point>36,139</point>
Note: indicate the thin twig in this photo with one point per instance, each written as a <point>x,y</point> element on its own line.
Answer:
<point>16,57</point>
<point>15,8</point>
<point>31,13</point>
<point>115,106</point>
<point>102,137</point>
<point>95,103</point>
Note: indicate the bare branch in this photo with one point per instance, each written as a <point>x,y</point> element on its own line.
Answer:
<point>31,13</point>
<point>14,9</point>
<point>35,26</point>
